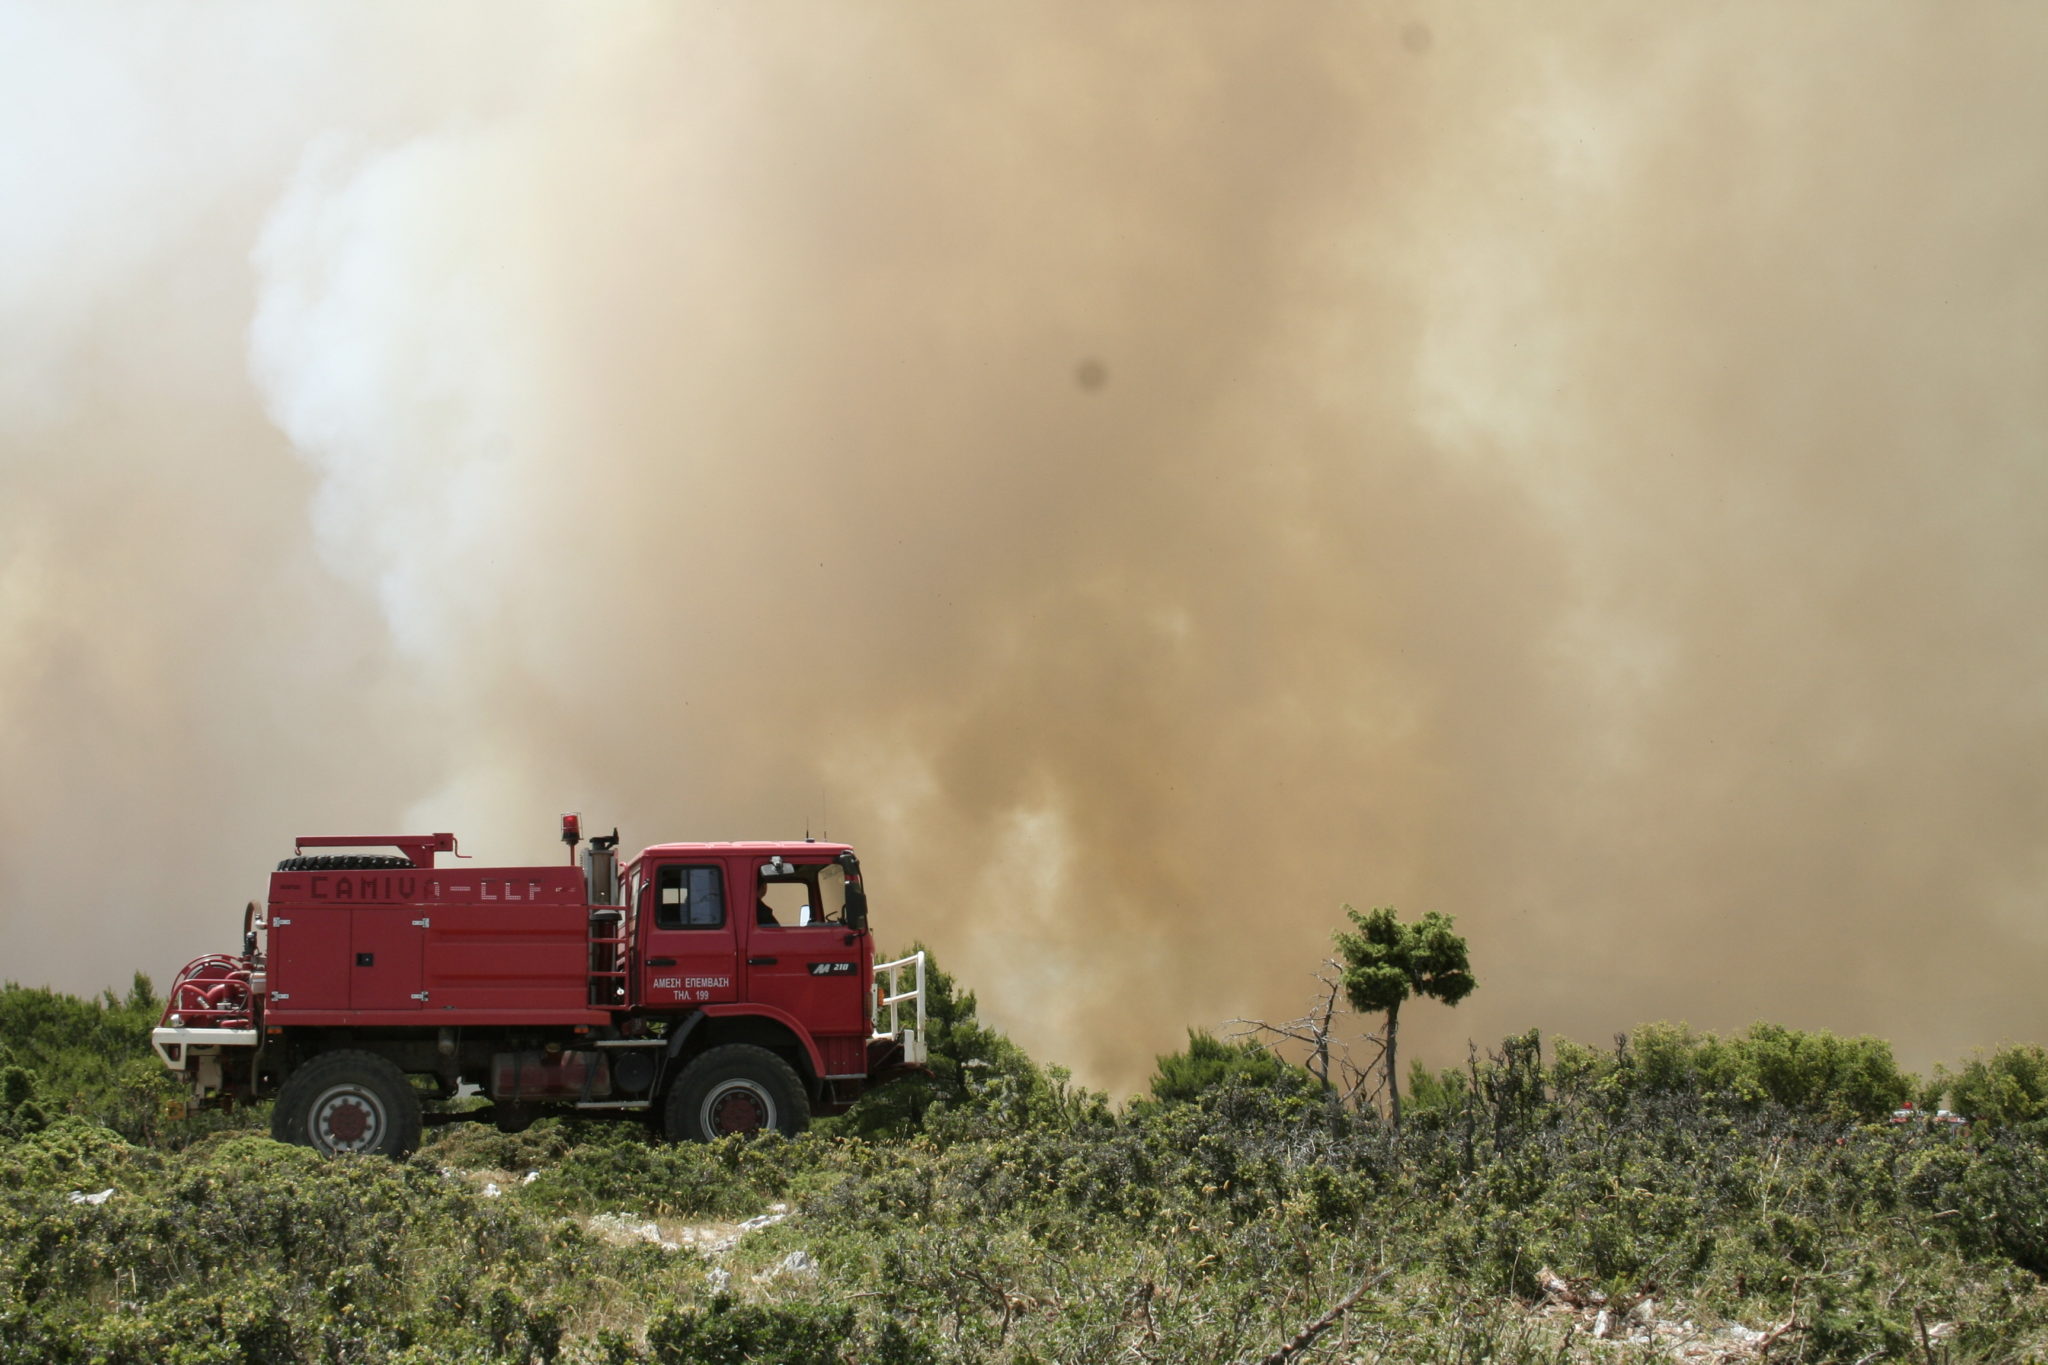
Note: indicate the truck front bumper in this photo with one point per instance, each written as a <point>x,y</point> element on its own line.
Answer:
<point>195,1053</point>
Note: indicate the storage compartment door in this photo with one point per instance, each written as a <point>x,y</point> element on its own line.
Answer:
<point>387,953</point>
<point>532,958</point>
<point>308,958</point>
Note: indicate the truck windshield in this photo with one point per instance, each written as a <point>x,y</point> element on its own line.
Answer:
<point>830,906</point>
<point>805,895</point>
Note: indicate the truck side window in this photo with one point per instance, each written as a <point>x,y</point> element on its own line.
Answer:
<point>689,898</point>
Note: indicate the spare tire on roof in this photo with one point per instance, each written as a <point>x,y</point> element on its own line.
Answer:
<point>343,862</point>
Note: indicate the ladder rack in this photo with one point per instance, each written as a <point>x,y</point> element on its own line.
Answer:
<point>609,957</point>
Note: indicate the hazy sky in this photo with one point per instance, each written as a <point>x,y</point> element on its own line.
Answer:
<point>1145,474</point>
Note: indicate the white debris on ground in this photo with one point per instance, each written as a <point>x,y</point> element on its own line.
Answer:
<point>712,1239</point>
<point>488,1183</point>
<point>81,1197</point>
<point>798,1265</point>
<point>1636,1322</point>
<point>623,1229</point>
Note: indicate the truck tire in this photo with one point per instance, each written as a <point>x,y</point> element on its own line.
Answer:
<point>348,1102</point>
<point>736,1088</point>
<point>343,862</point>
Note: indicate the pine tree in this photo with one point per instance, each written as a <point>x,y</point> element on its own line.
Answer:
<point>1386,962</point>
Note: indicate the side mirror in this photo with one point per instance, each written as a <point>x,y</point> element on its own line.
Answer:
<point>856,894</point>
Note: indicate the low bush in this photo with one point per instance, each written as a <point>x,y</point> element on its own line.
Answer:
<point>2008,1088</point>
<point>1021,1219</point>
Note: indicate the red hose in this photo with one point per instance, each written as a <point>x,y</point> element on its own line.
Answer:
<point>211,992</point>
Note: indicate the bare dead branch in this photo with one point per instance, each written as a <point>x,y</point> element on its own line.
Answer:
<point>1305,1338</point>
<point>1776,1334</point>
<point>1354,1082</point>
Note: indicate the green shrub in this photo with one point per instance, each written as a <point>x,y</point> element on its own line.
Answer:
<point>729,1333</point>
<point>1810,1072</point>
<point>2008,1087</point>
<point>67,1152</point>
<point>1434,1093</point>
<point>733,1178</point>
<point>1209,1064</point>
<point>20,1115</point>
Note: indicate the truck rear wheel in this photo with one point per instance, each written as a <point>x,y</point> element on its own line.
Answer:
<point>736,1089</point>
<point>348,1102</point>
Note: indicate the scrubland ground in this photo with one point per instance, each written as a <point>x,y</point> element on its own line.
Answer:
<point>1633,1205</point>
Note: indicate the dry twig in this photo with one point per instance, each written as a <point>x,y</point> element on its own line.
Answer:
<point>1305,1338</point>
<point>1328,1057</point>
<point>1771,1338</point>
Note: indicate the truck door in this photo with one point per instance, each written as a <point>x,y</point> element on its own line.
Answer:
<point>801,955</point>
<point>688,952</point>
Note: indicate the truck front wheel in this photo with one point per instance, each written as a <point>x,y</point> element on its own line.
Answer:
<point>348,1102</point>
<point>736,1089</point>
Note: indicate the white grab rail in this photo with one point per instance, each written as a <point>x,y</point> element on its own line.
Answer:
<point>893,998</point>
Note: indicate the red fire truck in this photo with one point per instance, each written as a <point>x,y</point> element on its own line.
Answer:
<point>714,988</point>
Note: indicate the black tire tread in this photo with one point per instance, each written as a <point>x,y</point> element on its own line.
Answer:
<point>343,862</point>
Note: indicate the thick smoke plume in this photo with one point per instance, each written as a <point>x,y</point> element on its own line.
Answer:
<point>1147,474</point>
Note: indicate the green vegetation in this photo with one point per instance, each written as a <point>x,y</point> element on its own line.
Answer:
<point>91,1057</point>
<point>2009,1088</point>
<point>998,1213</point>
<point>1210,1065</point>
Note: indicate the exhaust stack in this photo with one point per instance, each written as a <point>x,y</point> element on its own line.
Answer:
<point>601,868</point>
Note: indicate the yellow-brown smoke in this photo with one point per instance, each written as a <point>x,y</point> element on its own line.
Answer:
<point>1146,474</point>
